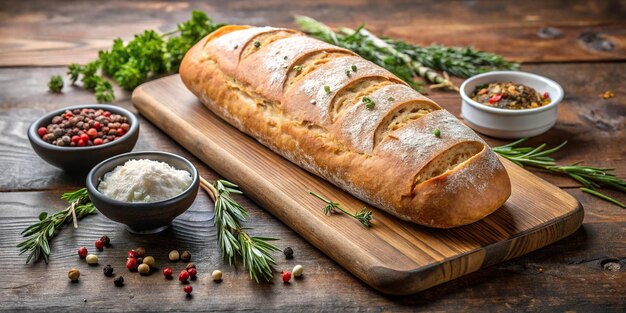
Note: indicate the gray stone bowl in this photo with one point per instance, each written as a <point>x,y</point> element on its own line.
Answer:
<point>143,218</point>
<point>82,159</point>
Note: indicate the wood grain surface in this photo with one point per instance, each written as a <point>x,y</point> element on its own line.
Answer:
<point>569,275</point>
<point>394,256</point>
<point>63,32</point>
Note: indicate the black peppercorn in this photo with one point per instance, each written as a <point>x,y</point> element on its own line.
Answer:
<point>106,240</point>
<point>185,256</point>
<point>108,271</point>
<point>288,253</point>
<point>119,281</point>
<point>190,265</point>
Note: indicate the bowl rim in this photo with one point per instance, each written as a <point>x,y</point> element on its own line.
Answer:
<point>179,197</point>
<point>542,79</point>
<point>34,137</point>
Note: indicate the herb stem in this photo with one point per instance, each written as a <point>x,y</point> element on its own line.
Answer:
<point>417,67</point>
<point>171,32</point>
<point>603,196</point>
<point>589,177</point>
<point>254,251</point>
<point>363,216</point>
<point>38,235</point>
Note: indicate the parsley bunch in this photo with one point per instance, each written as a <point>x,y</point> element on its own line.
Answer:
<point>146,55</point>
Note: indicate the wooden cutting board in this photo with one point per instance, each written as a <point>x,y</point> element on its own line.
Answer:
<point>393,256</point>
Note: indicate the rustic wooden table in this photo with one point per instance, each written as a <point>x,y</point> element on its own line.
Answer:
<point>39,38</point>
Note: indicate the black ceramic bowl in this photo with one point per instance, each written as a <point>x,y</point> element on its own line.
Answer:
<point>82,159</point>
<point>144,218</point>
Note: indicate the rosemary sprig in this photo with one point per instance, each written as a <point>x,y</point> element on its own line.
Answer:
<point>233,239</point>
<point>590,177</point>
<point>407,60</point>
<point>363,216</point>
<point>40,233</point>
<point>458,61</point>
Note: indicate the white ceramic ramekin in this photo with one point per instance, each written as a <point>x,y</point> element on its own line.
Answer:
<point>505,123</point>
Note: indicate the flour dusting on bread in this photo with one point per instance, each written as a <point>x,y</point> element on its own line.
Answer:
<point>384,151</point>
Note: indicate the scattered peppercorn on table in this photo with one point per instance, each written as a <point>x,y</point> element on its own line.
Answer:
<point>584,272</point>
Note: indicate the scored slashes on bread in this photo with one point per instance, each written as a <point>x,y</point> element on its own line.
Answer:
<point>307,101</point>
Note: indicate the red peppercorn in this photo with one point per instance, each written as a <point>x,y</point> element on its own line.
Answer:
<point>68,114</point>
<point>133,254</point>
<point>192,272</point>
<point>106,113</point>
<point>97,141</point>
<point>81,143</point>
<point>546,95</point>
<point>99,245</point>
<point>167,272</point>
<point>42,131</point>
<point>82,252</point>
<point>97,125</point>
<point>131,264</point>
<point>183,276</point>
<point>75,139</point>
<point>188,289</point>
<point>92,132</point>
<point>286,276</point>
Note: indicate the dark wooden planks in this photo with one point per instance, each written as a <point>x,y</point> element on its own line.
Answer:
<point>49,33</point>
<point>62,32</point>
<point>564,276</point>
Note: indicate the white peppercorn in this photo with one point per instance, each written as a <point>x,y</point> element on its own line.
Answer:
<point>174,255</point>
<point>149,261</point>
<point>297,270</point>
<point>92,259</point>
<point>216,275</point>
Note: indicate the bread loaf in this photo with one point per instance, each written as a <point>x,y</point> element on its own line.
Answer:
<point>348,121</point>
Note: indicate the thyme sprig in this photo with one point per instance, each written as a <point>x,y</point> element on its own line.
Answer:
<point>363,216</point>
<point>40,233</point>
<point>592,178</point>
<point>232,238</point>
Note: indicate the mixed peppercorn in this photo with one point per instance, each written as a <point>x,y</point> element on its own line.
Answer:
<point>138,261</point>
<point>84,127</point>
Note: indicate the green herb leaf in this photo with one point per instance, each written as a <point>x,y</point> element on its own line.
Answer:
<point>363,216</point>
<point>146,55</point>
<point>588,176</point>
<point>39,234</point>
<point>233,239</point>
<point>55,84</point>
<point>369,104</point>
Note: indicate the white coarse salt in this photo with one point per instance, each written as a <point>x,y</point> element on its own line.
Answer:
<point>144,181</point>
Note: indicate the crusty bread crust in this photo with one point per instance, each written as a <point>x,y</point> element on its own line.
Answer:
<point>304,99</point>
